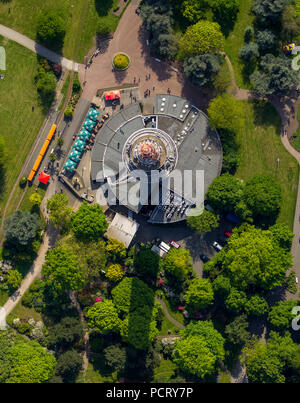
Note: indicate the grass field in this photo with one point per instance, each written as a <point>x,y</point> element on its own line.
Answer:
<point>235,41</point>
<point>260,147</point>
<point>82,18</point>
<point>19,125</point>
<point>166,326</point>
<point>296,140</point>
<point>165,371</point>
<point>23,312</point>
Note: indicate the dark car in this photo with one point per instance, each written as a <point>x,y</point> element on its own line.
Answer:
<point>204,258</point>
<point>222,239</point>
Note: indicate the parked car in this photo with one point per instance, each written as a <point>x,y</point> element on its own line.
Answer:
<point>227,234</point>
<point>217,246</point>
<point>204,258</point>
<point>233,218</point>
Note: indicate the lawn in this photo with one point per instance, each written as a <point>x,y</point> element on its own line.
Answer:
<point>64,91</point>
<point>166,325</point>
<point>97,371</point>
<point>172,309</point>
<point>26,203</point>
<point>235,40</point>
<point>165,371</point>
<point>23,312</point>
<point>224,377</point>
<point>260,147</point>
<point>3,297</point>
<point>296,138</point>
<point>82,18</point>
<point>19,125</point>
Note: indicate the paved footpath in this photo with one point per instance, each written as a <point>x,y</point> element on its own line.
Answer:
<point>37,48</point>
<point>33,273</point>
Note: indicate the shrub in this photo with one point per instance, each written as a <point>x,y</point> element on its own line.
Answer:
<point>114,272</point>
<point>76,87</point>
<point>68,113</point>
<point>23,181</point>
<point>103,28</point>
<point>121,61</point>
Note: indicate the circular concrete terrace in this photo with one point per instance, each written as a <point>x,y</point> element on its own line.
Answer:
<point>134,154</point>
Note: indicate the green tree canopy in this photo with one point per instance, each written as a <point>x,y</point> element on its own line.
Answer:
<point>203,37</point>
<point>116,250</point>
<point>193,356</point>
<point>59,210</point>
<point>225,112</point>
<point>263,196</point>
<point>205,222</point>
<point>91,256</point>
<point>236,300</point>
<point>68,366</point>
<point>61,270</point>
<point>256,305</point>
<point>195,10</point>
<point>177,263</point>
<point>221,286</point>
<point>51,28</point>
<point>282,234</point>
<point>13,278</point>
<point>21,228</point>
<point>253,258</point>
<point>66,332</point>
<point>24,362</point>
<point>268,11</point>
<point>275,76</point>
<point>35,199</point>
<point>114,272</point>
<point>280,315</point>
<point>103,317</point>
<point>132,293</point>
<point>202,69</point>
<point>115,357</point>
<point>89,222</point>
<point>236,331</point>
<point>224,193</point>
<point>139,327</point>
<point>200,294</point>
<point>267,363</point>
<point>146,262</point>
<point>200,349</point>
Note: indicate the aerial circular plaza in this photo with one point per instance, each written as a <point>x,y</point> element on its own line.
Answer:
<point>133,153</point>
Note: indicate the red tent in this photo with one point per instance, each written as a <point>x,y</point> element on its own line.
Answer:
<point>44,178</point>
<point>111,95</point>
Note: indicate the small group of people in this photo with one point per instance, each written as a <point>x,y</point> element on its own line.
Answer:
<point>147,93</point>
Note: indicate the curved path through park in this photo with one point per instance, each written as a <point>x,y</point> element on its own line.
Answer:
<point>33,273</point>
<point>37,48</point>
<point>168,316</point>
<point>286,108</point>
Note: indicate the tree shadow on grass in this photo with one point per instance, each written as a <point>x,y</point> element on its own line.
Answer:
<point>247,70</point>
<point>139,337</point>
<point>226,24</point>
<point>103,7</point>
<point>265,115</point>
<point>2,180</point>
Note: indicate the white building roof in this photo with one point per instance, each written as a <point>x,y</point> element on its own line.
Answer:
<point>123,229</point>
